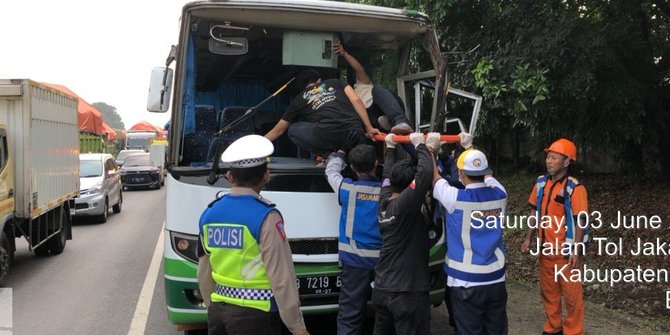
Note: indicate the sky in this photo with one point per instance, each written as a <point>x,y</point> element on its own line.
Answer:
<point>103,51</point>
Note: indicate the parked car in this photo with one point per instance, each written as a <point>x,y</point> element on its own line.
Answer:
<point>100,186</point>
<point>121,156</point>
<point>138,171</point>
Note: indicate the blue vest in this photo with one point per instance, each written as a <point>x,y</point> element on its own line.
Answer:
<point>474,253</point>
<point>570,185</point>
<point>244,210</point>
<point>360,239</point>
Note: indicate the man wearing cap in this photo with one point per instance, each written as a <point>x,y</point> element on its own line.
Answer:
<point>245,269</point>
<point>560,198</point>
<point>475,259</point>
<point>326,116</point>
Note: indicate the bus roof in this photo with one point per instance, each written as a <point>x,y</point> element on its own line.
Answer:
<point>315,15</point>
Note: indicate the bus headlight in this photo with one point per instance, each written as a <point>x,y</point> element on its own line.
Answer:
<point>185,245</point>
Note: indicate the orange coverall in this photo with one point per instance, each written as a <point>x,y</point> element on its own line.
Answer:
<point>552,289</point>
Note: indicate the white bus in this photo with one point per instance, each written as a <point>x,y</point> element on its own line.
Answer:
<point>230,56</point>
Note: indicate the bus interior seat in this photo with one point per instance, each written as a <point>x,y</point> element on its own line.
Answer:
<point>196,144</point>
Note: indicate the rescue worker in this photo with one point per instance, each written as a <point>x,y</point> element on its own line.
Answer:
<point>402,280</point>
<point>558,198</point>
<point>359,238</point>
<point>475,258</point>
<point>376,96</point>
<point>245,269</point>
<point>326,116</point>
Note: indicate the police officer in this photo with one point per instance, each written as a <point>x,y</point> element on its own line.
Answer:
<point>245,270</point>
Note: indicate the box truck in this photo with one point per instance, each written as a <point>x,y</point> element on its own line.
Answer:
<point>39,167</point>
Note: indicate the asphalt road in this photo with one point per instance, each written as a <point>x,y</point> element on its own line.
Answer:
<point>97,285</point>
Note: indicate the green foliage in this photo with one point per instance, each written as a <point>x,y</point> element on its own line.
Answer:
<point>110,115</point>
<point>595,71</point>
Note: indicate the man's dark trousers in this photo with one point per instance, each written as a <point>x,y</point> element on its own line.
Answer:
<point>480,309</point>
<point>228,319</point>
<point>354,295</point>
<point>406,313</point>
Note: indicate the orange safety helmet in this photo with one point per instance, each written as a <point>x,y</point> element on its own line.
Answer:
<point>564,147</point>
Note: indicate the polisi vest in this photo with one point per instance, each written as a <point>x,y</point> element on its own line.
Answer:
<point>476,254</point>
<point>232,238</point>
<point>359,239</point>
<point>570,185</point>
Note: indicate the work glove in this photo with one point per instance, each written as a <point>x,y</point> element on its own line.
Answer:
<point>390,144</point>
<point>417,138</point>
<point>433,142</point>
<point>466,140</point>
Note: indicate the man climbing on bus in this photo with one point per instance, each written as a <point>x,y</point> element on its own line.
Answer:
<point>326,116</point>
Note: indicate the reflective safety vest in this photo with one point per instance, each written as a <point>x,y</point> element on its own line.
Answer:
<point>569,187</point>
<point>231,231</point>
<point>476,253</point>
<point>360,239</point>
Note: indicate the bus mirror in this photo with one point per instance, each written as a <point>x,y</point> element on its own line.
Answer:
<point>160,89</point>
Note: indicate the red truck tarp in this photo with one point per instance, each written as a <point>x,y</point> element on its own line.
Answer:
<point>111,133</point>
<point>146,126</point>
<point>90,118</point>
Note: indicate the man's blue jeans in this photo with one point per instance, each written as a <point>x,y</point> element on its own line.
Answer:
<point>354,295</point>
<point>389,104</point>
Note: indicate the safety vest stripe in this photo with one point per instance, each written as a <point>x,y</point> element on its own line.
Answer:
<point>468,208</point>
<point>351,214</point>
<point>481,206</point>
<point>243,293</point>
<point>249,270</point>
<point>473,268</point>
<point>360,252</point>
<point>360,188</point>
<point>353,191</point>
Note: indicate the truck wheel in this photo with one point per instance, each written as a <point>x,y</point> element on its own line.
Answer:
<point>117,208</point>
<point>5,256</point>
<point>57,243</point>
<point>42,250</point>
<point>105,212</point>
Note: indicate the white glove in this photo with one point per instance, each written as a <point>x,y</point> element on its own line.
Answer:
<point>466,140</point>
<point>433,141</point>
<point>417,138</point>
<point>389,141</point>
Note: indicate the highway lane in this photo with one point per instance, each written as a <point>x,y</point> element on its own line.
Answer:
<point>94,286</point>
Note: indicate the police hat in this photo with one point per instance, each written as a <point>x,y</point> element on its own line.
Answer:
<point>248,151</point>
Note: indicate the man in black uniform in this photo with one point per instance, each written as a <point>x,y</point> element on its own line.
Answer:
<point>401,285</point>
<point>326,116</point>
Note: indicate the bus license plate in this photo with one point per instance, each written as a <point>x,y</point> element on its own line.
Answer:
<point>319,285</point>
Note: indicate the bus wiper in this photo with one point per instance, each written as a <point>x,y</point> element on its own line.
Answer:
<point>214,174</point>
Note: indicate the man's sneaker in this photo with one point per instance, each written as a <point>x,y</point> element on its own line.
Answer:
<point>384,123</point>
<point>402,128</point>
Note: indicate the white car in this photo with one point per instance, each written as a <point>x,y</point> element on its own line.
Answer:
<point>100,186</point>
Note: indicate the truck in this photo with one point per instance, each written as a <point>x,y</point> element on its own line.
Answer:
<point>39,168</point>
<point>230,58</point>
<point>139,139</point>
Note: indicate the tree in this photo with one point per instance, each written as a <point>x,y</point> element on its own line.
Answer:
<point>112,118</point>
<point>595,71</point>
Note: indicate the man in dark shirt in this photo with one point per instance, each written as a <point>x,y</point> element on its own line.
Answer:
<point>325,116</point>
<point>402,283</point>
